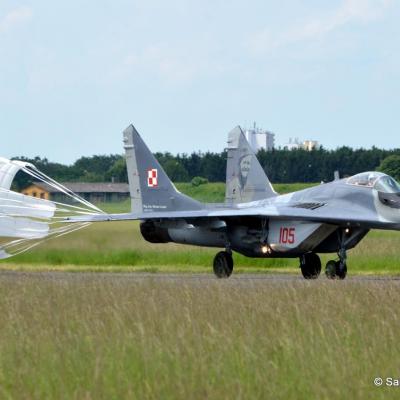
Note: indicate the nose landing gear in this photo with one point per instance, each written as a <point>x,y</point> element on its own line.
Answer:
<point>337,269</point>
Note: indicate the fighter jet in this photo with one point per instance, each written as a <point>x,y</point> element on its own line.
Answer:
<point>254,220</point>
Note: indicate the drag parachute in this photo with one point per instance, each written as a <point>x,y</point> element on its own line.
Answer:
<point>27,221</point>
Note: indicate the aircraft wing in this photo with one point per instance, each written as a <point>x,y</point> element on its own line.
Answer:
<point>336,214</point>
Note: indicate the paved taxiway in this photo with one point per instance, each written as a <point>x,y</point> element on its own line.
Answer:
<point>132,277</point>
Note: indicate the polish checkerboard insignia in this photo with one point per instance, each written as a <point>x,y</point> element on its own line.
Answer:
<point>152,177</point>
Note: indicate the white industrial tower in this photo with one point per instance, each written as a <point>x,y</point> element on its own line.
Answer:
<point>260,139</point>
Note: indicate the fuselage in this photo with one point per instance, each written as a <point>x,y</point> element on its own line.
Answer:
<point>360,203</point>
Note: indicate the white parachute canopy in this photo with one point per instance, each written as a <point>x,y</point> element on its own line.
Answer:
<point>27,221</point>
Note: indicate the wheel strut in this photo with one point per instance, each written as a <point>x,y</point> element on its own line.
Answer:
<point>338,269</point>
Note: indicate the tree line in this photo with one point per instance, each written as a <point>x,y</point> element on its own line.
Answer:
<point>281,165</point>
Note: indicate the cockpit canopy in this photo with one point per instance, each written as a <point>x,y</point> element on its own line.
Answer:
<point>388,189</point>
<point>365,179</point>
<point>386,184</point>
<point>377,180</point>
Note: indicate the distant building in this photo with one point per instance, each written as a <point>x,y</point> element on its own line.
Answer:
<point>37,189</point>
<point>295,144</point>
<point>310,145</point>
<point>92,192</point>
<point>260,139</point>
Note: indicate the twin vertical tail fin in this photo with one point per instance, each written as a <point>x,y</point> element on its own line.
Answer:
<point>245,178</point>
<point>152,190</point>
<point>149,185</point>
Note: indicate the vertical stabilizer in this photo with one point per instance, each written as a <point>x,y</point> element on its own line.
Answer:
<point>245,178</point>
<point>149,185</point>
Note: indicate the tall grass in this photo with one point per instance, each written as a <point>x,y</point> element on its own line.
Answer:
<point>119,245</point>
<point>108,337</point>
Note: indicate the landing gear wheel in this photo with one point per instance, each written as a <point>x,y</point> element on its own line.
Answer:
<point>341,270</point>
<point>310,265</point>
<point>223,264</point>
<point>330,269</point>
<point>335,270</point>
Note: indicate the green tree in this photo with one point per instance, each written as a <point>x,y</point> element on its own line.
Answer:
<point>391,166</point>
<point>59,172</point>
<point>94,167</point>
<point>199,180</point>
<point>118,171</point>
<point>176,171</point>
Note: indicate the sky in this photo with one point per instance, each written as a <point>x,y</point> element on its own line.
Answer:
<point>74,74</point>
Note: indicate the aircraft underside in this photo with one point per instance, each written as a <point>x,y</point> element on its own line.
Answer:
<point>261,238</point>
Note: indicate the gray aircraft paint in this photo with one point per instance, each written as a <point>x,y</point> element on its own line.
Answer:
<point>301,232</point>
<point>133,176</point>
<point>386,214</point>
<point>245,178</point>
<point>150,187</point>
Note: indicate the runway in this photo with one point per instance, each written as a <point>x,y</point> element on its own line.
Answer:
<point>186,278</point>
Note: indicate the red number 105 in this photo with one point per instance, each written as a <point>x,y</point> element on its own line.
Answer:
<point>286,235</point>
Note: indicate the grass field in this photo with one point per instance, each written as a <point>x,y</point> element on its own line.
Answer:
<point>90,337</point>
<point>215,192</point>
<point>119,246</point>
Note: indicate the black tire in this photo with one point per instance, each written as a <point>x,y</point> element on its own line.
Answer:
<point>330,269</point>
<point>223,264</point>
<point>310,265</point>
<point>334,270</point>
<point>341,271</point>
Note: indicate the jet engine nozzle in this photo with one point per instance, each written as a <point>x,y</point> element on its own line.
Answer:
<point>153,233</point>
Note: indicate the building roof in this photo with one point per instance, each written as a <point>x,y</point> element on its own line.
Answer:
<point>81,187</point>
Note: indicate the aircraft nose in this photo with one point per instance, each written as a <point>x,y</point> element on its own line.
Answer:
<point>391,200</point>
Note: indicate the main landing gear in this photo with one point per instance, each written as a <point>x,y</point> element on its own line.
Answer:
<point>223,264</point>
<point>310,265</point>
